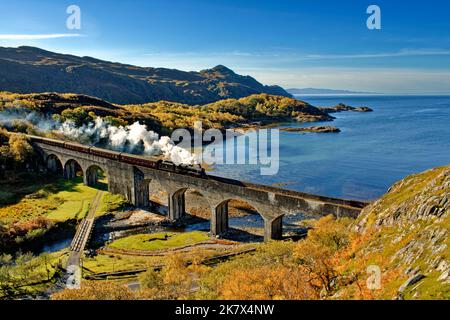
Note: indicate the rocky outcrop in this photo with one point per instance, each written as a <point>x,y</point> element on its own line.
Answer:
<point>305,117</point>
<point>409,228</point>
<point>343,107</point>
<point>317,129</point>
<point>419,197</point>
<point>362,109</point>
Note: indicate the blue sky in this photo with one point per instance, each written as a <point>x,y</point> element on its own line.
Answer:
<point>292,43</point>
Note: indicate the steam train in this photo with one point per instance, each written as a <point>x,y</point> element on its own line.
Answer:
<point>150,162</point>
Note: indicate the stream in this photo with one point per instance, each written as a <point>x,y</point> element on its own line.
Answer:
<point>241,223</point>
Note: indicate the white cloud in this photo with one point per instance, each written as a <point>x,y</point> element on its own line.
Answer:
<point>288,60</point>
<point>38,36</point>
<point>401,53</point>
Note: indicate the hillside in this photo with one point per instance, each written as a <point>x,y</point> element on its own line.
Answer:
<point>164,116</point>
<point>29,69</point>
<point>406,234</point>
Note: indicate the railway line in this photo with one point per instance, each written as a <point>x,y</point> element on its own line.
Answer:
<point>84,231</point>
<point>148,162</point>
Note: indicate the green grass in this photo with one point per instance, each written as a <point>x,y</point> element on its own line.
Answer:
<point>430,288</point>
<point>32,275</point>
<point>75,202</point>
<point>114,262</point>
<point>156,241</point>
<point>109,262</point>
<point>55,199</point>
<point>110,202</point>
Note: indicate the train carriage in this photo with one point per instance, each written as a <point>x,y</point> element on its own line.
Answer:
<point>148,162</point>
<point>138,160</point>
<point>76,147</point>
<point>51,142</point>
<point>35,139</point>
<point>113,155</point>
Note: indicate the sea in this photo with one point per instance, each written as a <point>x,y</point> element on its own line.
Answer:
<point>403,135</point>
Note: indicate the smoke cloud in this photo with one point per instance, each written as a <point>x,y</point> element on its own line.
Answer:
<point>134,138</point>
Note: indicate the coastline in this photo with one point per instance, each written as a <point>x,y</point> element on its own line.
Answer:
<point>358,163</point>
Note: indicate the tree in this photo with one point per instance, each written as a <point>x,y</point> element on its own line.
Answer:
<point>96,290</point>
<point>174,281</point>
<point>115,121</point>
<point>151,284</point>
<point>176,277</point>
<point>4,136</point>
<point>271,282</point>
<point>319,254</point>
<point>79,116</point>
<point>20,148</point>
<point>6,282</point>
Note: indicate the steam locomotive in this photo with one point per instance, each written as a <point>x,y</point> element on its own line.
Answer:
<point>150,162</point>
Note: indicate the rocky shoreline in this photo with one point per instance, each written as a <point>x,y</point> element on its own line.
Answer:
<point>316,129</point>
<point>323,116</point>
<point>343,107</point>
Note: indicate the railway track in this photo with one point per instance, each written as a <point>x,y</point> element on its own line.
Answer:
<point>84,229</point>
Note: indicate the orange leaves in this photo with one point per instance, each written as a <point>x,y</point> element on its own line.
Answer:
<point>268,282</point>
<point>96,290</point>
<point>175,280</point>
<point>20,148</point>
<point>26,210</point>
<point>23,227</point>
<point>321,252</point>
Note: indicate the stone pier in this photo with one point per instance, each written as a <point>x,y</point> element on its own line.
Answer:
<point>219,218</point>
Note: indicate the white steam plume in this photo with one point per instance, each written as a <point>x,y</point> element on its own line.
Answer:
<point>134,138</point>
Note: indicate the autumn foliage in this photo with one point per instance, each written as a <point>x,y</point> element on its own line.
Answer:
<point>96,290</point>
<point>279,282</point>
<point>319,255</point>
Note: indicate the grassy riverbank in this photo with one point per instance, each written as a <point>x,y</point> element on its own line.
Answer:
<point>28,275</point>
<point>159,241</point>
<point>43,203</point>
<point>52,198</point>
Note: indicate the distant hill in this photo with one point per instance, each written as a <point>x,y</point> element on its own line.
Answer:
<point>306,91</point>
<point>30,69</point>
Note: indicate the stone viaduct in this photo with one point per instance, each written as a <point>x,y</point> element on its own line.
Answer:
<point>132,181</point>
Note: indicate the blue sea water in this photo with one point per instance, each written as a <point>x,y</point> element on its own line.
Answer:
<point>404,135</point>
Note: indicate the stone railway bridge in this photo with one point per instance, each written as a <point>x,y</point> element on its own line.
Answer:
<point>132,181</point>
